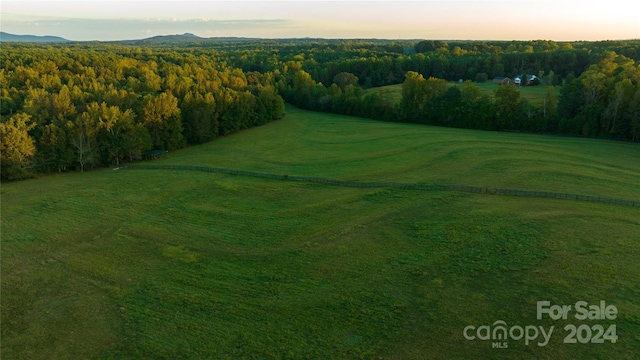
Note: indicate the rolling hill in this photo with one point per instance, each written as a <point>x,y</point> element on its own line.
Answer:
<point>134,263</point>
<point>6,37</point>
<point>186,37</point>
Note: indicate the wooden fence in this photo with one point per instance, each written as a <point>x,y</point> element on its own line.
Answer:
<point>362,184</point>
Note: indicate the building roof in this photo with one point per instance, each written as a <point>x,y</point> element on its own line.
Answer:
<point>530,77</point>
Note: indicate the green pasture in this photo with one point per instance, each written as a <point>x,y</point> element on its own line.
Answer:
<point>339,147</point>
<point>534,94</point>
<point>393,92</point>
<point>169,264</point>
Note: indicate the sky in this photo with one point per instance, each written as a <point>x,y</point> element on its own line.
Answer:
<point>102,20</point>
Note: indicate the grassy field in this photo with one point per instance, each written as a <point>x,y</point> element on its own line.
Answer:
<point>180,264</point>
<point>534,94</point>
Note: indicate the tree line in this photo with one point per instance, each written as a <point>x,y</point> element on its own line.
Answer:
<point>598,82</point>
<point>80,106</point>
<point>604,101</point>
<point>77,106</point>
<point>378,63</point>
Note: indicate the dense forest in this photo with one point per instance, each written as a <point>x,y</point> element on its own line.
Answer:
<point>81,105</point>
<point>90,105</point>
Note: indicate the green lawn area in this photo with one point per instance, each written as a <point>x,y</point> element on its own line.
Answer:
<point>534,94</point>
<point>182,264</point>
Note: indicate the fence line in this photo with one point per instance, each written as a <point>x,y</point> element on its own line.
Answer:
<point>361,184</point>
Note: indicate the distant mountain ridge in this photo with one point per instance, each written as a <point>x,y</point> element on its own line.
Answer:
<point>6,37</point>
<point>174,38</point>
<point>186,37</point>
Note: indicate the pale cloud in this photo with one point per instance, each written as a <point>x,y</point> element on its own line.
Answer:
<point>496,20</point>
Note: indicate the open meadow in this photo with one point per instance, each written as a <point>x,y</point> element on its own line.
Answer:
<point>534,94</point>
<point>136,263</point>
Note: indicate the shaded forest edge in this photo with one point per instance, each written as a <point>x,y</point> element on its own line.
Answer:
<point>78,106</point>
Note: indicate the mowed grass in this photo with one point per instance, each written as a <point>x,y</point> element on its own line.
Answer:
<point>534,94</point>
<point>346,148</point>
<point>181,264</point>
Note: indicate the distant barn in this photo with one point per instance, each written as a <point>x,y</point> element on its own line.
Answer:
<point>530,80</point>
<point>501,80</point>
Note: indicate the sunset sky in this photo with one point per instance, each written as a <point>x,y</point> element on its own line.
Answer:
<point>471,20</point>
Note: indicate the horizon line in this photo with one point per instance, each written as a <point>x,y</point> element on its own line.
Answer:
<point>308,37</point>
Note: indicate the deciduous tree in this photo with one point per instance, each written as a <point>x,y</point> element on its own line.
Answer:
<point>17,146</point>
<point>55,150</point>
<point>161,116</point>
<point>114,127</point>
<point>82,136</point>
<point>507,99</point>
<point>345,79</point>
<point>413,96</point>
